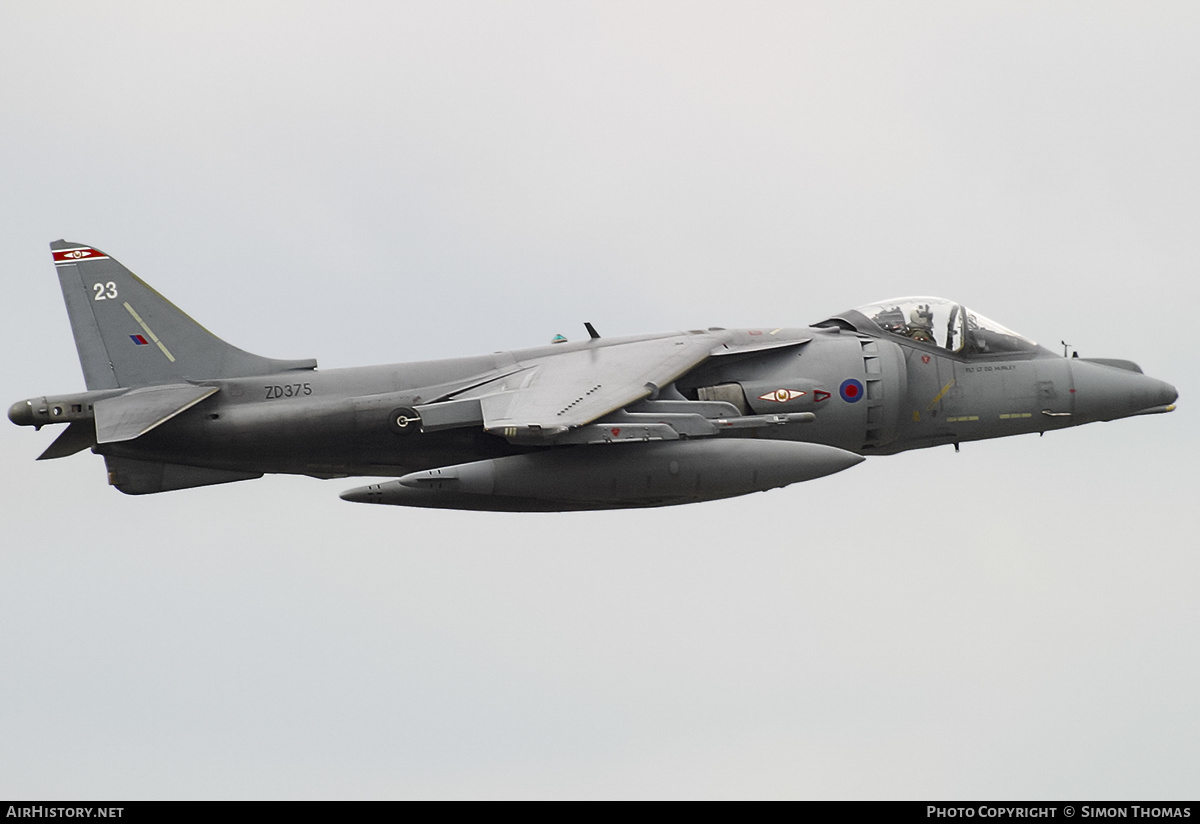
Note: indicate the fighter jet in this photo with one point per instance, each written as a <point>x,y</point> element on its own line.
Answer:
<point>601,423</point>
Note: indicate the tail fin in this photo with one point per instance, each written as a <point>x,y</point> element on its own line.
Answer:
<point>128,334</point>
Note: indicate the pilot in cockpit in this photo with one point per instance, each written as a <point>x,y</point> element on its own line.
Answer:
<point>920,324</point>
<point>923,319</point>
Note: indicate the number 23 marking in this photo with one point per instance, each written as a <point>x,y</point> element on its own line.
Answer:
<point>104,291</point>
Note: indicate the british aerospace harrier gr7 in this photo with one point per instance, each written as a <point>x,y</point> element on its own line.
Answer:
<point>604,423</point>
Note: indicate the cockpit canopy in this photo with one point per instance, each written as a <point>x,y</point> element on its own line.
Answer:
<point>946,324</point>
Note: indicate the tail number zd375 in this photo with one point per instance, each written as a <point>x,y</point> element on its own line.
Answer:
<point>290,390</point>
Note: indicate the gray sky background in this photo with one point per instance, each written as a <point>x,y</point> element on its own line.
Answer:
<point>378,182</point>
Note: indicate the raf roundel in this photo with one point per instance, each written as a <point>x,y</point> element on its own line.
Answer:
<point>852,390</point>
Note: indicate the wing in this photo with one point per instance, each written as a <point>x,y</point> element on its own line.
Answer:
<point>552,392</point>
<point>551,395</point>
<point>136,412</point>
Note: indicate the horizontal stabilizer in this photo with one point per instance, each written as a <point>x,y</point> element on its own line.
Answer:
<point>78,436</point>
<point>135,413</point>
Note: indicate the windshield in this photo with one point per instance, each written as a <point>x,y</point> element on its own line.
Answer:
<point>946,324</point>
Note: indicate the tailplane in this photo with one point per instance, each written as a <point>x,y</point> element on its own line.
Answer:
<point>128,334</point>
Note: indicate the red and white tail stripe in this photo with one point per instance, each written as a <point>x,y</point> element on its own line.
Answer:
<point>77,254</point>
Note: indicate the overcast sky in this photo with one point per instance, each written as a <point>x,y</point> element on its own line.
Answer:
<point>380,182</point>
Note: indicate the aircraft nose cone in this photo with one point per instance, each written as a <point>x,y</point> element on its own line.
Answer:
<point>1156,395</point>
<point>1105,393</point>
<point>1169,394</point>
